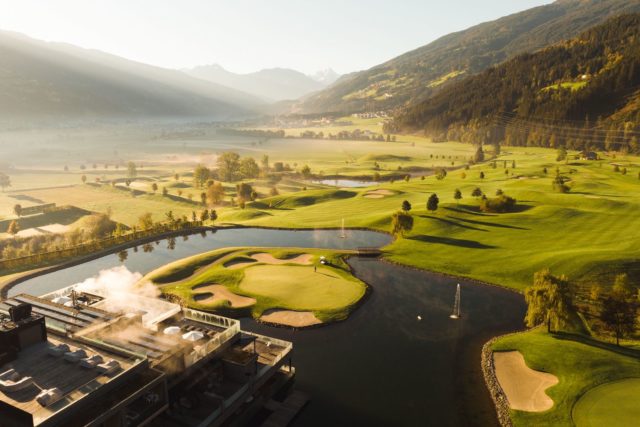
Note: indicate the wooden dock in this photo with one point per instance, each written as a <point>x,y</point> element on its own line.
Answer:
<point>285,412</point>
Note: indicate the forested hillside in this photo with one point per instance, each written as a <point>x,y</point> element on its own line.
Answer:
<point>583,93</point>
<point>421,73</point>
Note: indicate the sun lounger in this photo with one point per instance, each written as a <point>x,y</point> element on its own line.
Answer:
<point>11,385</point>
<point>75,356</point>
<point>10,375</point>
<point>58,350</point>
<point>108,368</point>
<point>47,397</point>
<point>91,362</point>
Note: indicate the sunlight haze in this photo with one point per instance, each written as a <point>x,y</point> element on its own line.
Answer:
<point>248,35</point>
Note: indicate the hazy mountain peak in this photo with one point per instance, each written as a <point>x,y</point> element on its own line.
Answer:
<point>326,76</point>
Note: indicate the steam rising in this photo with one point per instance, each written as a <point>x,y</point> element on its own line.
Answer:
<point>124,292</point>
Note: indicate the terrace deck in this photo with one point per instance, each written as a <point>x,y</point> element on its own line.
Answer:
<point>49,371</point>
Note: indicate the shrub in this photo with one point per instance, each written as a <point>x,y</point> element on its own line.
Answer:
<point>500,204</point>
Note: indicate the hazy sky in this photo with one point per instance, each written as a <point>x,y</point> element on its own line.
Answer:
<point>247,35</point>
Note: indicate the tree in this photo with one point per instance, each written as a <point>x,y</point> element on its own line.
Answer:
<point>13,228</point>
<point>248,168</point>
<point>213,215</point>
<point>406,206</point>
<point>457,195</point>
<point>165,192</point>
<point>154,187</point>
<point>215,194</point>
<point>200,176</point>
<point>496,149</point>
<point>305,171</point>
<point>203,198</point>
<point>204,215</point>
<point>132,170</point>
<point>5,181</point>
<point>244,191</point>
<point>176,177</point>
<point>145,221</point>
<point>619,315</point>
<point>477,192</point>
<point>228,165</point>
<point>17,209</point>
<point>441,174</point>
<point>562,154</point>
<point>481,175</point>
<point>273,191</point>
<point>549,300</point>
<point>83,178</point>
<point>401,223</point>
<point>479,155</point>
<point>432,202</point>
<point>265,162</point>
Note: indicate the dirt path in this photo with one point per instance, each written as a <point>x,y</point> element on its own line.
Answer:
<point>524,387</point>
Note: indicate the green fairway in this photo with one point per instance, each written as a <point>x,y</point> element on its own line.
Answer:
<point>580,364</point>
<point>589,234</point>
<point>612,404</point>
<point>275,278</point>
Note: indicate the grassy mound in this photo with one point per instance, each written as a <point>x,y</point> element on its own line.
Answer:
<point>612,404</point>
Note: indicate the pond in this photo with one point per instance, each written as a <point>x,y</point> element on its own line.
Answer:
<point>383,366</point>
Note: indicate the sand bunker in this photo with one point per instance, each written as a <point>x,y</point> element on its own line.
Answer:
<point>378,194</point>
<point>524,387</point>
<point>234,264</point>
<point>303,259</point>
<point>296,319</point>
<point>209,294</point>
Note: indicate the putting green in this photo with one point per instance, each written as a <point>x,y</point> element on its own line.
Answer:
<point>300,288</point>
<point>612,404</point>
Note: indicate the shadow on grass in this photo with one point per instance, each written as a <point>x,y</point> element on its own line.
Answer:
<point>451,241</point>
<point>450,222</point>
<point>625,351</point>
<point>488,224</point>
<point>473,210</point>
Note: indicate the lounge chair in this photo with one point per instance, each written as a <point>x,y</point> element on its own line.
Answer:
<point>91,362</point>
<point>11,385</point>
<point>47,397</point>
<point>10,375</point>
<point>108,368</point>
<point>75,356</point>
<point>58,350</point>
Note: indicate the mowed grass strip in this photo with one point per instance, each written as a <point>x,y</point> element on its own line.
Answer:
<point>579,363</point>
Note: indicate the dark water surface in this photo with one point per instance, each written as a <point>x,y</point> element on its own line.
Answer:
<point>383,366</point>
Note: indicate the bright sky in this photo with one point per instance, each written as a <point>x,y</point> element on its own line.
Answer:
<point>248,35</point>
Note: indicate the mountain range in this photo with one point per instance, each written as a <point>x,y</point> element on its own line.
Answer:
<point>583,93</point>
<point>421,73</point>
<point>274,84</point>
<point>52,81</point>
